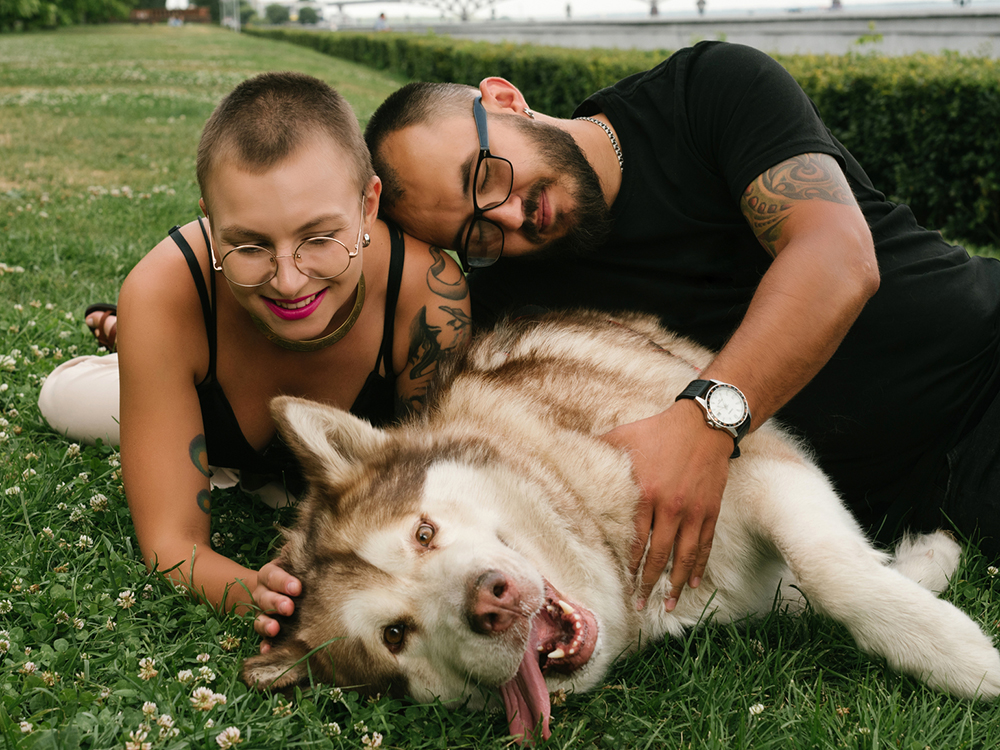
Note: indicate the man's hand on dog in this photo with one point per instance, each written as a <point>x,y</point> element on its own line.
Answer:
<point>273,593</point>
<point>682,466</point>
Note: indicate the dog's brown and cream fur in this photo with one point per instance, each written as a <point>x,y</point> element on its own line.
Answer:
<point>485,546</point>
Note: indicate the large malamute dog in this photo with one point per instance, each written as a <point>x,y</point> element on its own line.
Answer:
<point>485,546</point>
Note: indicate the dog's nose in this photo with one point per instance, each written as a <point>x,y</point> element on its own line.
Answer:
<point>493,604</point>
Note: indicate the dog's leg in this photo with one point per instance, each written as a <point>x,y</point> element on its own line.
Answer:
<point>845,578</point>
<point>929,559</point>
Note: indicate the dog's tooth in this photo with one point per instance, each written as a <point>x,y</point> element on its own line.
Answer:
<point>567,610</point>
<point>557,654</point>
<point>577,626</point>
<point>572,651</point>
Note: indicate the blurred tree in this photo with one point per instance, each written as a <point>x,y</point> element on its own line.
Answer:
<point>308,15</point>
<point>276,14</point>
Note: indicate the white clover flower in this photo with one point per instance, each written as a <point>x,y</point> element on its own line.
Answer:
<point>83,476</point>
<point>203,658</point>
<point>125,600</point>
<point>228,737</point>
<point>333,728</point>
<point>78,623</point>
<point>105,693</point>
<point>28,473</point>
<point>166,721</point>
<point>109,625</point>
<point>137,741</point>
<point>229,642</point>
<point>47,532</point>
<point>69,316</point>
<point>209,723</point>
<point>185,676</point>
<point>26,727</point>
<point>49,305</point>
<point>29,667</point>
<point>756,708</point>
<point>99,503</point>
<point>149,709</point>
<point>374,741</point>
<point>203,699</point>
<point>73,451</point>
<point>206,674</point>
<point>84,542</point>
<point>50,678</point>
<point>77,514</point>
<point>147,668</point>
<point>4,645</point>
<point>217,539</point>
<point>361,728</point>
<point>12,490</point>
<point>6,606</point>
<point>992,570</point>
<point>61,616</point>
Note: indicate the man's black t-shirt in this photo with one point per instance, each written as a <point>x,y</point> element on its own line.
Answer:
<point>918,365</point>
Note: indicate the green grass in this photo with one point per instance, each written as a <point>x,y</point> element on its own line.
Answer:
<point>98,129</point>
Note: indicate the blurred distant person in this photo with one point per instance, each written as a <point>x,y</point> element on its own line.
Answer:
<point>381,23</point>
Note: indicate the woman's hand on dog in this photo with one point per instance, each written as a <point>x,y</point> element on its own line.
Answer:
<point>273,594</point>
<point>682,466</point>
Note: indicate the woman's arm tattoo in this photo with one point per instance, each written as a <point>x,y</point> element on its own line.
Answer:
<point>453,290</point>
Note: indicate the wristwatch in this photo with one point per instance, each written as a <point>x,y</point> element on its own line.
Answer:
<point>724,405</point>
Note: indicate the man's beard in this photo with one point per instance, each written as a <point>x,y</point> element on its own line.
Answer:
<point>589,222</point>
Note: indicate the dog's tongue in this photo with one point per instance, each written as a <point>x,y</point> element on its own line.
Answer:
<point>526,697</point>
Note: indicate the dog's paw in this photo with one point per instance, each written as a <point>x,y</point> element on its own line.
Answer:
<point>928,559</point>
<point>961,660</point>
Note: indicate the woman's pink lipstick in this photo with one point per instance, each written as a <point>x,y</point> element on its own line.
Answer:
<point>285,312</point>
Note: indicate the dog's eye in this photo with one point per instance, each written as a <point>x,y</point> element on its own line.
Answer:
<point>393,636</point>
<point>425,532</point>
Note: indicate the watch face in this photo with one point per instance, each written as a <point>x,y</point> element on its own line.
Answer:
<point>727,405</point>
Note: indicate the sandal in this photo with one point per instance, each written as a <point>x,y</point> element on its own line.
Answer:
<point>104,338</point>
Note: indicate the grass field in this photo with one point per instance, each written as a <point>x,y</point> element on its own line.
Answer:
<point>98,129</point>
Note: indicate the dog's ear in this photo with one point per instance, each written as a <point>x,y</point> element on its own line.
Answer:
<point>282,667</point>
<point>328,442</point>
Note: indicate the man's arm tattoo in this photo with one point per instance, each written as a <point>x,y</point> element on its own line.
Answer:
<point>455,290</point>
<point>767,200</point>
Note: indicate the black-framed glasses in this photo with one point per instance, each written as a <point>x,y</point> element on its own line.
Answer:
<point>491,185</point>
<point>320,258</point>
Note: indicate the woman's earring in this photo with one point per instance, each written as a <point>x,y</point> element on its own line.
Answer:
<point>528,111</point>
<point>366,240</point>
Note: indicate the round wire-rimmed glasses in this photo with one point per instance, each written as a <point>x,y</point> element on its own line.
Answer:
<point>492,182</point>
<point>320,258</point>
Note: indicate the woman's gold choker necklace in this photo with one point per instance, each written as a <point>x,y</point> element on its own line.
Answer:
<point>313,345</point>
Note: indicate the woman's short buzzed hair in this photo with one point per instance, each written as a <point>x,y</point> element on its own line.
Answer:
<point>265,118</point>
<point>413,104</point>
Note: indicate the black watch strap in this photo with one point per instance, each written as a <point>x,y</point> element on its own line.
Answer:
<point>697,389</point>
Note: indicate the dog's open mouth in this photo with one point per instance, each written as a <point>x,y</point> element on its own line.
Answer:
<point>562,640</point>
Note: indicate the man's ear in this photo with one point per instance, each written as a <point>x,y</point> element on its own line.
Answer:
<point>502,96</point>
<point>202,206</point>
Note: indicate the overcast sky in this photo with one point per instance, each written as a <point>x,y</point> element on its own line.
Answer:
<point>549,9</point>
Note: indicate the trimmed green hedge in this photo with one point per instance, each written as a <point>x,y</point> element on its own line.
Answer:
<point>926,128</point>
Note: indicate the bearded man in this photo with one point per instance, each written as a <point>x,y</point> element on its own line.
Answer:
<point>709,192</point>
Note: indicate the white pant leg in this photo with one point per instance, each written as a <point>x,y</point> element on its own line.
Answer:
<point>80,399</point>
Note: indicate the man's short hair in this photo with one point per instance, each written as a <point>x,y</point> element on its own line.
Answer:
<point>265,118</point>
<point>414,104</point>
